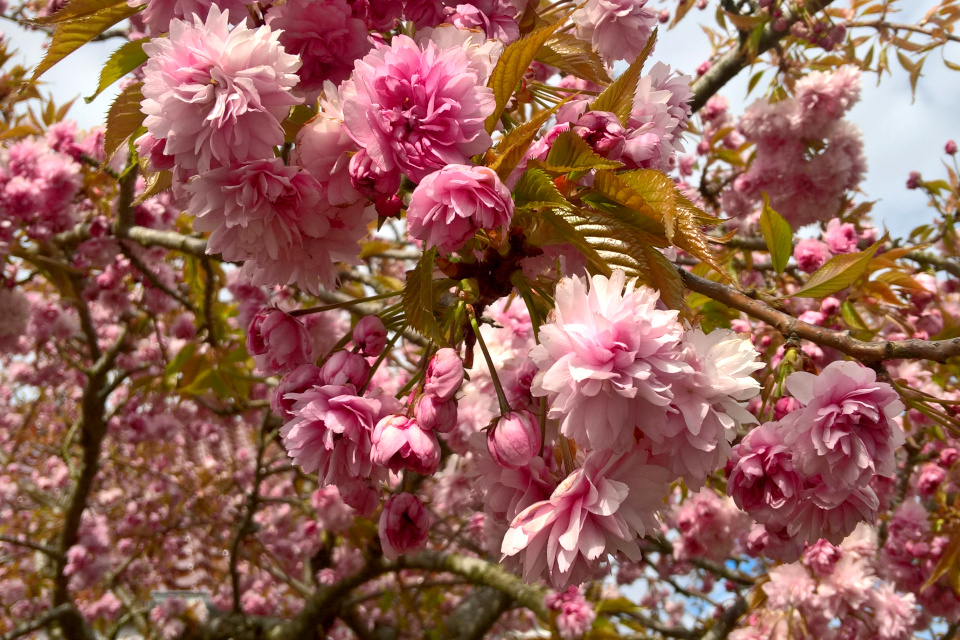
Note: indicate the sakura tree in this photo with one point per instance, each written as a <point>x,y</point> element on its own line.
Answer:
<point>411,318</point>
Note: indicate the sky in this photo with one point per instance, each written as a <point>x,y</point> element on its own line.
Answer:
<point>900,135</point>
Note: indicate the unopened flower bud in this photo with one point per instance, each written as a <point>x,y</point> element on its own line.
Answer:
<point>278,342</point>
<point>950,148</point>
<point>514,440</point>
<point>344,367</point>
<point>444,374</point>
<point>370,335</point>
<point>663,16</point>
<point>436,414</point>
<point>913,181</point>
<point>368,178</point>
<point>404,525</point>
<point>389,207</point>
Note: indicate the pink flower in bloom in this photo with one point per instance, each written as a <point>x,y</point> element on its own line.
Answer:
<point>845,432</point>
<point>506,492</point>
<point>216,95</point>
<point>450,205</point>
<point>599,509</point>
<point>444,374</point>
<point>603,359</point>
<point>618,29</point>
<point>272,217</point>
<point>370,336</point>
<point>515,439</point>
<point>417,109</point>
<point>326,36</point>
<point>400,442</point>
<point>159,13</point>
<point>278,342</point>
<point>330,433</point>
<point>761,478</point>
<point>811,254</point>
<point>496,18</point>
<point>404,525</point>
<point>824,512</point>
<point>841,238</point>
<point>378,15</point>
<point>297,381</point>
<point>575,615</point>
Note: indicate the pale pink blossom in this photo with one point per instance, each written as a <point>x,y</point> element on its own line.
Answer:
<point>297,381</point>
<point>824,512</point>
<point>416,109</point>
<point>506,492</point>
<point>605,359</point>
<point>344,367</point>
<point>845,432</point>
<point>404,525</point>
<point>450,205</point>
<point>841,238</point>
<point>159,13</point>
<point>617,29</point>
<point>400,442</point>
<point>216,95</point>
<point>324,34</point>
<point>811,254</point>
<point>575,615</point>
<point>599,509</point>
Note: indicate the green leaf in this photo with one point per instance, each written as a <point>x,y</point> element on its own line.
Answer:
<point>570,152</point>
<point>618,97</point>
<point>508,153</point>
<point>837,274</point>
<point>123,119</point>
<point>72,35</point>
<point>77,10</point>
<point>418,298</point>
<point>569,235</point>
<point>621,245</point>
<point>121,62</point>
<point>536,190</point>
<point>573,56</point>
<point>776,231</point>
<point>513,63</point>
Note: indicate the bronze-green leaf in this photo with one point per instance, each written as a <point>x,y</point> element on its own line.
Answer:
<point>508,153</point>
<point>536,190</point>
<point>513,63</point>
<point>573,56</point>
<point>121,62</point>
<point>570,152</point>
<point>123,119</point>
<point>73,34</point>
<point>618,97</point>
<point>418,298</point>
<point>77,10</point>
<point>778,235</point>
<point>837,274</point>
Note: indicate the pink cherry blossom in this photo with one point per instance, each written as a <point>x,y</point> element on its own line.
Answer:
<point>841,238</point>
<point>618,29</point>
<point>417,109</point>
<point>604,359</point>
<point>515,439</point>
<point>450,205</point>
<point>278,342</point>
<point>845,432</point>
<point>444,374</point>
<point>811,254</point>
<point>216,95</point>
<point>404,525</point>
<point>370,336</point>
<point>400,442</point>
<point>344,367</point>
<point>761,478</point>
<point>600,508</point>
<point>575,615</point>
<point>433,413</point>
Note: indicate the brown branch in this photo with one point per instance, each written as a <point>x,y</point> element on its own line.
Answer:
<point>168,240</point>
<point>881,25</point>
<point>53,553</point>
<point>735,60</point>
<point>728,620</point>
<point>39,623</point>
<point>866,352</point>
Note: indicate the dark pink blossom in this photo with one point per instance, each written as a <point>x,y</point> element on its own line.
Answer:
<point>515,439</point>
<point>404,525</point>
<point>444,374</point>
<point>761,477</point>
<point>278,342</point>
<point>370,336</point>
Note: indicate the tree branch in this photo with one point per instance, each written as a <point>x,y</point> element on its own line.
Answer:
<point>735,60</point>
<point>728,620</point>
<point>866,352</point>
<point>39,623</point>
<point>474,616</point>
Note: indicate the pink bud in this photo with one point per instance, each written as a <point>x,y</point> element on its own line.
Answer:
<point>444,374</point>
<point>785,405</point>
<point>404,525</point>
<point>913,181</point>
<point>361,496</point>
<point>278,342</point>
<point>436,414</point>
<point>829,306</point>
<point>663,16</point>
<point>515,439</point>
<point>400,442</point>
<point>299,380</point>
<point>931,477</point>
<point>950,148</point>
<point>949,456</point>
<point>151,149</point>
<point>703,67</point>
<point>370,335</point>
<point>344,367</point>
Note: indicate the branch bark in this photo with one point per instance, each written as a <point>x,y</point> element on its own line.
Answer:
<point>866,352</point>
<point>735,60</point>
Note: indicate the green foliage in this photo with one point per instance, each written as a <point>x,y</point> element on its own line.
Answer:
<point>573,56</point>
<point>508,153</point>
<point>618,97</point>
<point>535,190</point>
<point>123,119</point>
<point>74,32</point>
<point>570,153</point>
<point>418,300</point>
<point>121,62</point>
<point>513,63</point>
<point>837,274</point>
<point>778,235</point>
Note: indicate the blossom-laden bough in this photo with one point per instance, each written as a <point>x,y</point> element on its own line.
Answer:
<point>409,318</point>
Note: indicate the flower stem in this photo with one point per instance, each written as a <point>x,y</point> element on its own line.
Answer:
<point>501,396</point>
<point>345,303</point>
